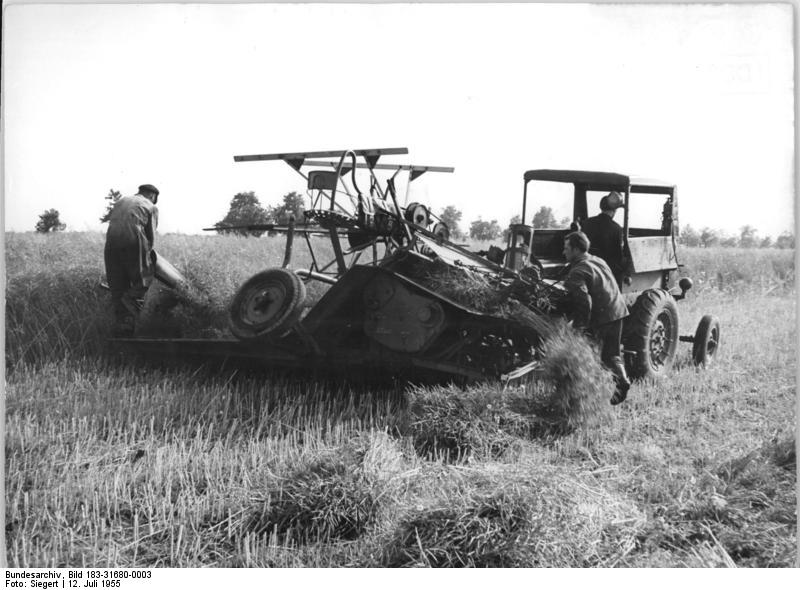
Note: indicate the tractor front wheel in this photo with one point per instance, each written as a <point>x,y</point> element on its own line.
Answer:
<point>706,341</point>
<point>651,334</point>
<point>267,304</point>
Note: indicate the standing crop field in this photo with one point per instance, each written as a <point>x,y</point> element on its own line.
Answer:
<point>114,461</point>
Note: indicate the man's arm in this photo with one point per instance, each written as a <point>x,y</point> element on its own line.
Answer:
<point>150,230</point>
<point>616,255</point>
<point>580,302</point>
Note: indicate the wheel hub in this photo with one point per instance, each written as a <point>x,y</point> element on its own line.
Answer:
<point>264,304</point>
<point>659,341</point>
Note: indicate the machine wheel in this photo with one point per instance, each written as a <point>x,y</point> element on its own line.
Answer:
<point>267,304</point>
<point>706,341</point>
<point>651,331</point>
<point>441,231</point>
<point>418,214</point>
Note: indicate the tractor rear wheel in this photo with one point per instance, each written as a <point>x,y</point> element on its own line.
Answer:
<point>267,304</point>
<point>706,341</point>
<point>651,333</point>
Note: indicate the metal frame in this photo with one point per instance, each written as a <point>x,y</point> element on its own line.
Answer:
<point>354,219</point>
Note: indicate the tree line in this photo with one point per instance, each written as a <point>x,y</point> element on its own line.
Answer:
<point>747,237</point>
<point>246,210</point>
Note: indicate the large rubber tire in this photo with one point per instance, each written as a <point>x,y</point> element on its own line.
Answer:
<point>706,341</point>
<point>267,304</point>
<point>651,332</point>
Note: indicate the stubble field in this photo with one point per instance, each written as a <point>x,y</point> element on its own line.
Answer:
<point>120,462</point>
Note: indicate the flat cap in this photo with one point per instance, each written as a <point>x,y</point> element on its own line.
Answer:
<point>612,200</point>
<point>148,188</point>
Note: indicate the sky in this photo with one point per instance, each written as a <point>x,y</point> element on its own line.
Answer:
<point>100,97</point>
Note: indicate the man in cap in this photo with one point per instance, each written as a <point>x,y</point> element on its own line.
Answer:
<point>597,305</point>
<point>128,255</point>
<point>605,236</point>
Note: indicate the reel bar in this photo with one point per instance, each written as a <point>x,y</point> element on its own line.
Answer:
<point>370,154</point>
<point>415,169</point>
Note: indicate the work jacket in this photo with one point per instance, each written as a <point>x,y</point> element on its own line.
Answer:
<point>605,241</point>
<point>593,292</point>
<point>132,224</point>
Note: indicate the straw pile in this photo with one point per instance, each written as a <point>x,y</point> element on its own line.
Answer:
<point>453,424</point>
<point>186,312</point>
<point>526,303</point>
<point>512,515</point>
<point>569,390</point>
<point>334,494</point>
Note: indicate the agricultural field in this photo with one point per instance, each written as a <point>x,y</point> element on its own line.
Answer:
<point>124,462</point>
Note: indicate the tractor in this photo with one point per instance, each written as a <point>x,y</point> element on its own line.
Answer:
<point>650,284</point>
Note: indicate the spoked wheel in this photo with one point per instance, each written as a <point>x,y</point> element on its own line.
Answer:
<point>660,341</point>
<point>651,332</point>
<point>267,304</point>
<point>706,341</point>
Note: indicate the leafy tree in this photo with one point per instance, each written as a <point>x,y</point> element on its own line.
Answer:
<point>785,241</point>
<point>451,216</point>
<point>245,209</point>
<point>50,222</point>
<point>112,197</point>
<point>708,237</point>
<point>484,230</point>
<point>564,222</point>
<point>728,241</point>
<point>748,237</point>
<point>689,237</point>
<point>293,204</point>
<point>544,218</point>
<point>766,242</point>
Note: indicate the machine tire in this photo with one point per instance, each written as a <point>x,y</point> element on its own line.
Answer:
<point>267,304</point>
<point>706,341</point>
<point>651,332</point>
<point>441,231</point>
<point>418,214</point>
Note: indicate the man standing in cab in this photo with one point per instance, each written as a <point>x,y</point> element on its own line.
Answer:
<point>605,236</point>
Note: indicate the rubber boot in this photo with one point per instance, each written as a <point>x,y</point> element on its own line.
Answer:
<point>622,381</point>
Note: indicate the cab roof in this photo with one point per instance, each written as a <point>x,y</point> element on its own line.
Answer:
<point>601,180</point>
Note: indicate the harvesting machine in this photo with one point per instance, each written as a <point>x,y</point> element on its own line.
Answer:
<point>390,268</point>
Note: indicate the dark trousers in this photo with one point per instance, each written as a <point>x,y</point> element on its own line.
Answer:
<point>609,337</point>
<point>129,273</point>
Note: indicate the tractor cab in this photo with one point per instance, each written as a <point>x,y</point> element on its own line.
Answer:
<point>562,200</point>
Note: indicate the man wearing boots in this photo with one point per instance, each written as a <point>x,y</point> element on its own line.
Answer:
<point>597,305</point>
<point>128,255</point>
